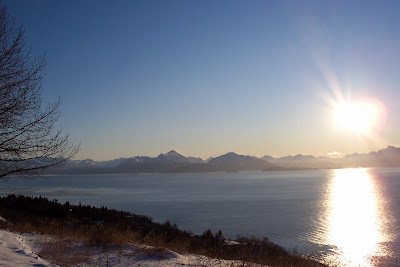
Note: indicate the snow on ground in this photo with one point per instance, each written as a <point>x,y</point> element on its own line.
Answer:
<point>145,256</point>
<point>15,250</point>
<point>23,250</point>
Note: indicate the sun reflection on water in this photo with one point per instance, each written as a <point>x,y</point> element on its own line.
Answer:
<point>354,220</point>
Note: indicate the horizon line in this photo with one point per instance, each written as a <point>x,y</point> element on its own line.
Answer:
<point>327,155</point>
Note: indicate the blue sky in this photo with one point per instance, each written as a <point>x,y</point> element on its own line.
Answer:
<point>209,77</point>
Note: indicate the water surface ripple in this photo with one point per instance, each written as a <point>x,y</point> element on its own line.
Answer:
<point>346,217</point>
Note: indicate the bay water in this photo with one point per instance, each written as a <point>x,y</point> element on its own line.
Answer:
<point>344,217</point>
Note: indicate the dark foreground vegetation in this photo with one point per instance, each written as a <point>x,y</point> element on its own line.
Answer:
<point>104,227</point>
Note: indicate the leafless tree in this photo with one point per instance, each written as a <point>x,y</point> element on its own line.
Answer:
<point>29,141</point>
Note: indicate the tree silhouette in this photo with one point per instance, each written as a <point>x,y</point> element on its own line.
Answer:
<point>29,141</point>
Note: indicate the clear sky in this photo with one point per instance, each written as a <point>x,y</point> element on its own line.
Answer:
<point>209,77</point>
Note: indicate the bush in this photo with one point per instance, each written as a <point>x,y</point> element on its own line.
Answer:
<point>105,227</point>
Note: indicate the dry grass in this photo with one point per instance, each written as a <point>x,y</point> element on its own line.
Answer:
<point>104,228</point>
<point>64,252</point>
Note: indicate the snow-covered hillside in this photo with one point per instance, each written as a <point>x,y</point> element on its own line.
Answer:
<point>23,249</point>
<point>17,250</point>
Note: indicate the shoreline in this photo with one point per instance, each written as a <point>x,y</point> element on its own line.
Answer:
<point>103,227</point>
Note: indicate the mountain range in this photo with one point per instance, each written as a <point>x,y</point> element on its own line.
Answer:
<point>172,161</point>
<point>387,157</point>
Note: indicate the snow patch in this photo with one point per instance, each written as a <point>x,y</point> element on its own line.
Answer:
<point>22,250</point>
<point>16,250</point>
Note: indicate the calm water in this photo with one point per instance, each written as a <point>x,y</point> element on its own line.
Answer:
<point>348,216</point>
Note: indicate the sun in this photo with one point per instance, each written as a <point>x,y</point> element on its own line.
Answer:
<point>363,117</point>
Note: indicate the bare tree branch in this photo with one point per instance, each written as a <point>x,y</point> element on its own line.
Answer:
<point>29,141</point>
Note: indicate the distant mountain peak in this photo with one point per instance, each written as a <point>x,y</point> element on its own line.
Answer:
<point>171,152</point>
<point>173,156</point>
<point>234,155</point>
<point>267,158</point>
<point>230,156</point>
<point>235,162</point>
<point>392,148</point>
<point>207,160</point>
<point>195,160</point>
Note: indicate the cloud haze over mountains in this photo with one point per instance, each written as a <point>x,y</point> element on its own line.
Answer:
<point>388,157</point>
<point>230,162</point>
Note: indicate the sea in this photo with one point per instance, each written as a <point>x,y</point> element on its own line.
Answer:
<point>343,217</point>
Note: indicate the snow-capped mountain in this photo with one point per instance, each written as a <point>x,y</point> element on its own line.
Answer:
<point>172,161</point>
<point>387,157</point>
<point>173,156</point>
<point>234,162</point>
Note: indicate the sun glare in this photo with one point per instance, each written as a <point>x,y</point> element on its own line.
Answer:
<point>360,117</point>
<point>354,219</point>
